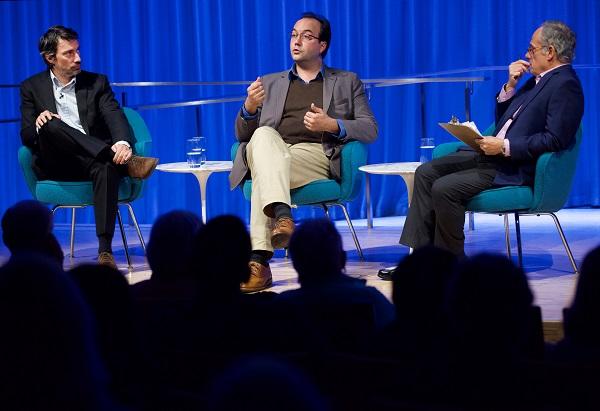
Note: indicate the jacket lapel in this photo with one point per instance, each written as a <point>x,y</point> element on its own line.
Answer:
<point>48,93</point>
<point>328,85</point>
<point>535,91</point>
<point>281,90</point>
<point>81,93</point>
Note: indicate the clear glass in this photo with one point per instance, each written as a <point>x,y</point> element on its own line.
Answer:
<point>427,146</point>
<point>196,151</point>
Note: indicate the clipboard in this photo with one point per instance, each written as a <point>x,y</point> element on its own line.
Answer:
<point>464,133</point>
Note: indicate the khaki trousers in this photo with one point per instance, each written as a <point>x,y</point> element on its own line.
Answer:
<point>276,167</point>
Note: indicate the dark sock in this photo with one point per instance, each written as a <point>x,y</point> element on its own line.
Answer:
<point>261,256</point>
<point>104,244</point>
<point>282,210</point>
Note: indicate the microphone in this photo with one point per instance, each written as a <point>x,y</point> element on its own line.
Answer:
<point>61,95</point>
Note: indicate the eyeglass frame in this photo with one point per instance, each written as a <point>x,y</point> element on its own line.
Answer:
<point>532,50</point>
<point>305,36</point>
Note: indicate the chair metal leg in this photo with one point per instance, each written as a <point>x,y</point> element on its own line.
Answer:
<point>129,266</point>
<point>564,241</point>
<point>136,225</point>
<point>518,231</point>
<point>507,235</point>
<point>73,232</point>
<point>354,236</point>
<point>56,207</point>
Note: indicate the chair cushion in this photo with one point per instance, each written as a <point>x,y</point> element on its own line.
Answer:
<point>500,199</point>
<point>319,191</point>
<point>75,193</point>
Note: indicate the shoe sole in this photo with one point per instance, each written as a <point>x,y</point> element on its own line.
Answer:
<point>280,240</point>
<point>268,284</point>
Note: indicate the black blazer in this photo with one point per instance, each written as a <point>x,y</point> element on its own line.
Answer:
<point>99,112</point>
<point>548,120</point>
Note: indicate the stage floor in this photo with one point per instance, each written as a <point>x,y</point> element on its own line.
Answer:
<point>547,266</point>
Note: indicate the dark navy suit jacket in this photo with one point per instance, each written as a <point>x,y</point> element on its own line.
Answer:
<point>547,121</point>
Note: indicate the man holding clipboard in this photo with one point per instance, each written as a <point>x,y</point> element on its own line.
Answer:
<point>541,116</point>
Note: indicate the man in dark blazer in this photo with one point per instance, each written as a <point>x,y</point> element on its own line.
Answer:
<point>292,127</point>
<point>77,131</point>
<point>542,116</point>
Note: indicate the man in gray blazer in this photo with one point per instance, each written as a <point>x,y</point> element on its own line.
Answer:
<point>292,127</point>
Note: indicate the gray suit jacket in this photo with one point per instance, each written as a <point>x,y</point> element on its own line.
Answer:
<point>343,99</point>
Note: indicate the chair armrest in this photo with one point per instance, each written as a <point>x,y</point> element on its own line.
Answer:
<point>234,148</point>
<point>446,148</point>
<point>554,176</point>
<point>26,161</point>
<point>354,155</point>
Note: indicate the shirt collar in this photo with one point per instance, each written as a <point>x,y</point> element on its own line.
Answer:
<point>293,73</point>
<point>56,81</point>
<point>553,68</point>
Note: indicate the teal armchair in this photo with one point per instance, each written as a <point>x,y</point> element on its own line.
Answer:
<point>79,194</point>
<point>553,178</point>
<point>328,192</point>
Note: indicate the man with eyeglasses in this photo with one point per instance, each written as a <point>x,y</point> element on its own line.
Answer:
<point>292,127</point>
<point>77,130</point>
<point>542,116</point>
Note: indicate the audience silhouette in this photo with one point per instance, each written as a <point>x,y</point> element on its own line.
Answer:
<point>27,227</point>
<point>460,335</point>
<point>50,360</point>
<point>109,297</point>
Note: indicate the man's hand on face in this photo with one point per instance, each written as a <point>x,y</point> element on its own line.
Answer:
<point>44,117</point>
<point>256,96</point>
<point>491,146</point>
<point>316,120</point>
<point>516,69</point>
<point>122,153</point>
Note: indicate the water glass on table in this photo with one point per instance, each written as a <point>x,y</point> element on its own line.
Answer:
<point>196,151</point>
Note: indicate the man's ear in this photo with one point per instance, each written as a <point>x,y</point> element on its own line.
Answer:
<point>551,53</point>
<point>50,58</point>
<point>323,46</point>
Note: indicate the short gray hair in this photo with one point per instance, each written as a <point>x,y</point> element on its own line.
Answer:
<point>558,35</point>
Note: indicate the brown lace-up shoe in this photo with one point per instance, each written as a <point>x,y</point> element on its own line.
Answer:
<point>260,278</point>
<point>141,167</point>
<point>107,259</point>
<point>281,232</point>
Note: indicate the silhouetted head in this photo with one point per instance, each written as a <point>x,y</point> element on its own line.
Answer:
<point>169,250</point>
<point>49,356</point>
<point>25,226</point>
<point>420,284</point>
<point>489,301</point>
<point>221,255</point>
<point>317,251</point>
<point>242,386</point>
<point>583,317</point>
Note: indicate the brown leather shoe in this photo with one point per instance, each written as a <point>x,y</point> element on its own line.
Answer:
<point>107,259</point>
<point>281,232</point>
<point>260,278</point>
<point>141,167</point>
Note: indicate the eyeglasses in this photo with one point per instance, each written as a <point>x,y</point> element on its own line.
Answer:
<point>531,50</point>
<point>304,36</point>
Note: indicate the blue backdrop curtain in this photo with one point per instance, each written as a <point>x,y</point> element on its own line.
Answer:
<point>231,40</point>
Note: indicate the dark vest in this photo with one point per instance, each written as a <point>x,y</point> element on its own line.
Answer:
<point>299,98</point>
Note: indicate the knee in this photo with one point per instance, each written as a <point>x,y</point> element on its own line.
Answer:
<point>264,134</point>
<point>424,173</point>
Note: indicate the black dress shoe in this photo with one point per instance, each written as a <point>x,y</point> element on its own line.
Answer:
<point>386,273</point>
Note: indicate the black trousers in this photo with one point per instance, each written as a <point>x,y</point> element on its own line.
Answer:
<point>66,154</point>
<point>442,187</point>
